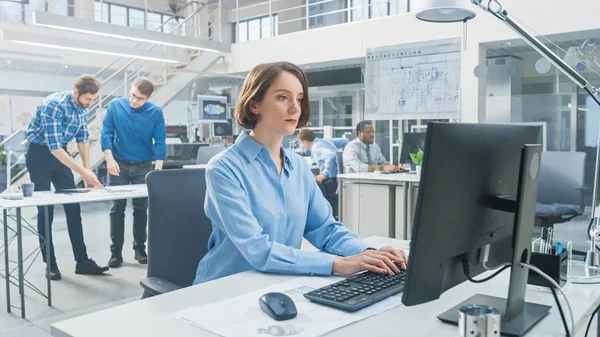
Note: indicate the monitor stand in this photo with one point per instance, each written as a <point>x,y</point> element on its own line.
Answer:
<point>518,316</point>
<point>532,313</point>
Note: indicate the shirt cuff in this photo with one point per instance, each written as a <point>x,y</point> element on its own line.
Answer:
<point>318,263</point>
<point>357,248</point>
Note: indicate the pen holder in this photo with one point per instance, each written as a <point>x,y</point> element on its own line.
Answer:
<point>543,256</point>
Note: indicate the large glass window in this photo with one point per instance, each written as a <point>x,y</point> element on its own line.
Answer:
<point>370,9</point>
<point>257,28</point>
<point>101,14</point>
<point>10,11</point>
<point>136,18</point>
<point>118,15</point>
<point>327,13</point>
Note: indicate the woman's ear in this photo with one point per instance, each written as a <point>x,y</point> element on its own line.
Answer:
<point>254,107</point>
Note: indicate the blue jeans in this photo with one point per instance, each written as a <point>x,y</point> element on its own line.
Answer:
<point>130,173</point>
<point>44,169</point>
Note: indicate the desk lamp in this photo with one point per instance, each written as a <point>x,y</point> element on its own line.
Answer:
<point>463,10</point>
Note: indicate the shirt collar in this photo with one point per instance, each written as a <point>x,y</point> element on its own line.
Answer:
<point>71,99</point>
<point>361,143</point>
<point>251,149</point>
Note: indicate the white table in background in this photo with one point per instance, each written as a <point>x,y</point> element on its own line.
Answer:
<point>153,317</point>
<point>45,199</point>
<point>382,203</point>
<point>195,166</point>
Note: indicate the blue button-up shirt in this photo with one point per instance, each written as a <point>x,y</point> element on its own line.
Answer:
<point>323,154</point>
<point>57,120</point>
<point>259,216</point>
<point>129,132</point>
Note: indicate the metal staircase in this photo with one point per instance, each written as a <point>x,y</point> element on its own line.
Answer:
<point>169,81</point>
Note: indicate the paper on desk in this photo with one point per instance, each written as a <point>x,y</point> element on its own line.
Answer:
<point>242,316</point>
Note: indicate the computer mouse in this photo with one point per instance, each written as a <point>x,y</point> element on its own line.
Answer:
<point>278,306</point>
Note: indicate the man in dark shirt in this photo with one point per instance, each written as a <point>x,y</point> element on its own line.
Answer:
<point>133,133</point>
<point>59,119</point>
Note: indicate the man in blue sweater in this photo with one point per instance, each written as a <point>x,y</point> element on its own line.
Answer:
<point>133,133</point>
<point>323,154</point>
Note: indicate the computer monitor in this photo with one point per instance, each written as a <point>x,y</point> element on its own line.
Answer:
<point>223,129</point>
<point>411,143</point>
<point>478,187</point>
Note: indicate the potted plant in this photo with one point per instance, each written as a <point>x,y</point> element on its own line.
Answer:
<point>175,8</point>
<point>417,159</point>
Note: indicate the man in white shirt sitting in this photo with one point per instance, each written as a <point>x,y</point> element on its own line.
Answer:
<point>363,155</point>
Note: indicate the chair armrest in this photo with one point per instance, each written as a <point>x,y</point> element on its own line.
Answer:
<point>582,190</point>
<point>156,285</point>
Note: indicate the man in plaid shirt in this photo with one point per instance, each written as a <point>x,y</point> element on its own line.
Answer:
<point>60,118</point>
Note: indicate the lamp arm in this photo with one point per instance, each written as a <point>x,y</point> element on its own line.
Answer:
<point>495,8</point>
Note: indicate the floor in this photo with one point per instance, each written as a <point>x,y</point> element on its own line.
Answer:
<point>76,295</point>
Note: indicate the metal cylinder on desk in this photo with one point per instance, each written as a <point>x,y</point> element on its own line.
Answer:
<point>478,321</point>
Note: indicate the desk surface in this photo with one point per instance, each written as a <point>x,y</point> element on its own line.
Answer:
<point>153,316</point>
<point>379,177</point>
<point>47,198</point>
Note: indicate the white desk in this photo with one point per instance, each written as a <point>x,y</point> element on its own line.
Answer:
<point>153,316</point>
<point>382,203</point>
<point>45,199</point>
<point>195,166</point>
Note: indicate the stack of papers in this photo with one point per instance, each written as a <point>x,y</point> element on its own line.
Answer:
<point>242,316</point>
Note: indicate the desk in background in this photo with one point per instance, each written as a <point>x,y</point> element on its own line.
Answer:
<point>382,203</point>
<point>153,317</point>
<point>45,199</point>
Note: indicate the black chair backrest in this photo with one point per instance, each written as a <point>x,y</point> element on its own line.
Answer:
<point>178,229</point>
<point>561,177</point>
<point>339,155</point>
<point>205,153</point>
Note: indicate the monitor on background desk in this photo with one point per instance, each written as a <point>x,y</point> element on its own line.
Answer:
<point>477,191</point>
<point>411,143</point>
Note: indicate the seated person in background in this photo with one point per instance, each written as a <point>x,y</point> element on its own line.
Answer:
<point>323,152</point>
<point>363,155</point>
<point>262,199</point>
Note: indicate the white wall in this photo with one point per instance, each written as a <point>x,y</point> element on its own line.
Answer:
<point>351,40</point>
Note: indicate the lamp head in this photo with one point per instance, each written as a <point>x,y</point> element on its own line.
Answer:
<point>445,10</point>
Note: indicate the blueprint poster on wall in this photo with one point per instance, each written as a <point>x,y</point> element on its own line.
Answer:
<point>413,81</point>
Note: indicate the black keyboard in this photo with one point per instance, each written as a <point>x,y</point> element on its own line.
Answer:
<point>359,291</point>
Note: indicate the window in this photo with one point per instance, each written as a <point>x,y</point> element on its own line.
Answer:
<point>101,15</point>
<point>369,9</point>
<point>134,17</point>
<point>10,11</point>
<point>154,22</point>
<point>118,15</point>
<point>243,31</point>
<point>257,28</point>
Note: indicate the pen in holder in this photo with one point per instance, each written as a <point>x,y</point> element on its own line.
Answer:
<point>552,256</point>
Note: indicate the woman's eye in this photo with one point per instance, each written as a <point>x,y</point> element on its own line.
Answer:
<point>282,98</point>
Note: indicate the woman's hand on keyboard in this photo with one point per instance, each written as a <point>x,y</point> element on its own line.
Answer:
<point>382,261</point>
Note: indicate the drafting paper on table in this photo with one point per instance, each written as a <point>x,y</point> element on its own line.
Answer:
<point>242,316</point>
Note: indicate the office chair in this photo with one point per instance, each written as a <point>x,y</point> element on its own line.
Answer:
<point>560,188</point>
<point>339,155</point>
<point>178,229</point>
<point>205,153</point>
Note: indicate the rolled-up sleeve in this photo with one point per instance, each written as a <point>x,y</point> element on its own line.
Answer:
<point>51,118</point>
<point>351,157</point>
<point>230,210</point>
